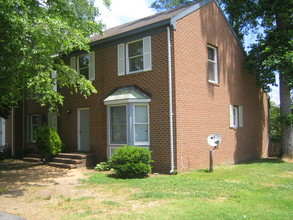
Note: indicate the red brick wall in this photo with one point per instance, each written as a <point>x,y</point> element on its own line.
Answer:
<point>202,108</point>
<point>153,83</point>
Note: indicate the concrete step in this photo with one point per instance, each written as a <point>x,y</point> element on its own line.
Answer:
<point>62,165</point>
<point>32,159</point>
<point>66,160</point>
<point>74,155</point>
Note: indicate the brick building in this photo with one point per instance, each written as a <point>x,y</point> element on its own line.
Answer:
<point>165,82</point>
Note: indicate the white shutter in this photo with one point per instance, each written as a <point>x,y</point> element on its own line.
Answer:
<point>73,63</point>
<point>240,115</point>
<point>121,59</point>
<point>54,77</point>
<point>92,66</point>
<point>147,53</point>
<point>231,117</point>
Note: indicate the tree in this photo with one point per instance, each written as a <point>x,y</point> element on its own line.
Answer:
<point>34,35</point>
<point>272,53</point>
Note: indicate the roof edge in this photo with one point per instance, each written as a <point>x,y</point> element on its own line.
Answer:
<point>188,11</point>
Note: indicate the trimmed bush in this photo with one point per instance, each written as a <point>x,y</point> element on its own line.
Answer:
<point>131,162</point>
<point>48,141</point>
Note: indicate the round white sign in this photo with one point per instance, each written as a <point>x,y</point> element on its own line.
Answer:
<point>214,140</point>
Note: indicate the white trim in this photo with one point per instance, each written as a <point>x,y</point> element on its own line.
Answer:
<point>78,126</point>
<point>215,62</point>
<point>148,124</point>
<point>170,101</point>
<point>188,11</point>
<point>126,101</point>
<point>53,120</point>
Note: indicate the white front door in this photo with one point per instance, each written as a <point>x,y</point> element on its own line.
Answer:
<point>2,131</point>
<point>83,130</point>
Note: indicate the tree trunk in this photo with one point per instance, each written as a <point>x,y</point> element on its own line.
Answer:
<point>287,130</point>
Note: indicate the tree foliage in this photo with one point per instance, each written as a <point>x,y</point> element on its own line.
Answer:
<point>33,36</point>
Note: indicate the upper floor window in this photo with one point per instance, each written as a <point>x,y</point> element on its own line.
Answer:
<point>213,64</point>
<point>134,56</point>
<point>84,65</point>
<point>236,116</point>
<point>83,62</point>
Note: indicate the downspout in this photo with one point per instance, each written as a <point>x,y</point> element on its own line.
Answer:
<point>170,100</point>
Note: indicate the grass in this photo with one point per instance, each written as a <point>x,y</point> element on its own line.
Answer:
<point>260,190</point>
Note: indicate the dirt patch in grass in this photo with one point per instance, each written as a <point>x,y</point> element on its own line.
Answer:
<point>31,189</point>
<point>36,191</point>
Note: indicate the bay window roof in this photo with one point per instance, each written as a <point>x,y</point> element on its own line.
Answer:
<point>127,95</point>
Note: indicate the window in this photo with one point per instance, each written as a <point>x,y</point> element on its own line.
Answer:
<point>134,56</point>
<point>35,122</point>
<point>84,65</point>
<point>212,64</point>
<point>128,118</point>
<point>236,116</point>
<point>118,125</point>
<point>141,124</point>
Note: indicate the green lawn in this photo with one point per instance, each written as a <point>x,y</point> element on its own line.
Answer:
<point>260,190</point>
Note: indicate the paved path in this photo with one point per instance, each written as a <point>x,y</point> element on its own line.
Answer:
<point>6,216</point>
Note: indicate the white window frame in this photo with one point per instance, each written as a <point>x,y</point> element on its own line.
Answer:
<point>215,62</point>
<point>236,116</point>
<point>135,123</point>
<point>88,66</point>
<point>123,56</point>
<point>74,64</point>
<point>110,125</point>
<point>128,58</point>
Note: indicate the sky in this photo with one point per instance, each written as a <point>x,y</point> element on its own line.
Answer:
<point>123,11</point>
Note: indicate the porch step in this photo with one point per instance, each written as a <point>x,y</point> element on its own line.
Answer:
<point>74,155</point>
<point>32,159</point>
<point>66,160</point>
<point>72,160</point>
<point>62,165</point>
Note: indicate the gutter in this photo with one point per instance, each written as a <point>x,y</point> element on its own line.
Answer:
<point>170,100</point>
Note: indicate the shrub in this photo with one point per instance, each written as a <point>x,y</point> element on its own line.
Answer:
<point>131,162</point>
<point>103,166</point>
<point>48,141</point>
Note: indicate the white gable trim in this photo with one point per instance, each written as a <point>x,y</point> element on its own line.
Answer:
<point>188,11</point>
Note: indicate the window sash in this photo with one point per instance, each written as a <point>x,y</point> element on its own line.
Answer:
<point>118,127</point>
<point>213,65</point>
<point>141,125</point>
<point>83,68</point>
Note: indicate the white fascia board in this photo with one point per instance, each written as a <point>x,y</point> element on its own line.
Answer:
<point>188,11</point>
<point>126,101</point>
